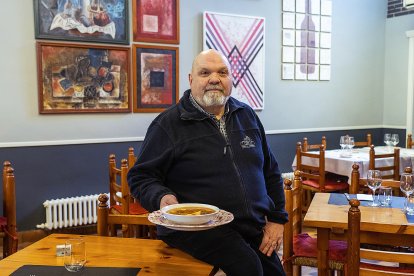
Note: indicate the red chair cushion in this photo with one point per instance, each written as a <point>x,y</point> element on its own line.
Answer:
<point>3,221</point>
<point>330,184</point>
<point>305,246</point>
<point>134,209</point>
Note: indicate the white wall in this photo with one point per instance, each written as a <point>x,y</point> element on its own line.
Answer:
<point>396,69</point>
<point>353,98</point>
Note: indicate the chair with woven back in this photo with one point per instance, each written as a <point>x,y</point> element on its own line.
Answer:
<point>8,228</point>
<point>121,201</point>
<point>388,171</point>
<point>375,262</point>
<point>299,248</point>
<point>312,166</point>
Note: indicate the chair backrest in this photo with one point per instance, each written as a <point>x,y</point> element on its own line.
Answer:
<point>356,254</point>
<point>392,171</point>
<point>107,221</point>
<point>293,206</point>
<point>118,185</point>
<point>9,226</point>
<point>359,185</point>
<point>132,158</point>
<point>306,146</point>
<point>316,173</point>
<point>409,144</point>
<point>366,143</point>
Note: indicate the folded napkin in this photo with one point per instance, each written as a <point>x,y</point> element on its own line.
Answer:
<point>87,271</point>
<point>364,197</point>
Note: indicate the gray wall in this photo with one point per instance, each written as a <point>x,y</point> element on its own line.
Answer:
<point>66,155</point>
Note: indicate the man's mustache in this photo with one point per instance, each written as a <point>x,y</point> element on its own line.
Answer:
<point>214,87</point>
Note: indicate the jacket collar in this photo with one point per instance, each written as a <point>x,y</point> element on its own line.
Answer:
<point>189,112</point>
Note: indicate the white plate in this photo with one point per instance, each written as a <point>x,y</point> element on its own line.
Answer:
<point>223,217</point>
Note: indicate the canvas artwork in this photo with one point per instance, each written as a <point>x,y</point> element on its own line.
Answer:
<point>82,78</point>
<point>156,21</point>
<point>241,39</point>
<point>306,39</point>
<point>82,20</point>
<point>155,77</point>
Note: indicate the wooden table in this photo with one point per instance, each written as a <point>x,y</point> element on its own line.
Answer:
<point>377,223</point>
<point>335,162</point>
<point>154,257</point>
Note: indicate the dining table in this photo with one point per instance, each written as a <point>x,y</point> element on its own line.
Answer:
<point>328,213</point>
<point>340,161</point>
<point>106,256</point>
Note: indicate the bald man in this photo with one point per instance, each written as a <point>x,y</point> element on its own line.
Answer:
<point>210,148</point>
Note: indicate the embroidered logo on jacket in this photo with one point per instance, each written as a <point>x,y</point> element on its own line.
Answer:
<point>247,143</point>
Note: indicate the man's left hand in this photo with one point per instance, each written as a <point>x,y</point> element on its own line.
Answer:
<point>272,238</point>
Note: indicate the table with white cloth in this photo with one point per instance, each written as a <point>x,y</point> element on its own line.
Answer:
<point>336,161</point>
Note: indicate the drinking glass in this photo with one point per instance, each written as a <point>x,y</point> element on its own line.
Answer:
<point>351,142</point>
<point>387,139</point>
<point>385,196</point>
<point>343,142</point>
<point>395,139</point>
<point>374,181</point>
<point>407,187</point>
<point>75,255</point>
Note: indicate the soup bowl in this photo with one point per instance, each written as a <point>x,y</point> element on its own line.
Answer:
<point>190,213</point>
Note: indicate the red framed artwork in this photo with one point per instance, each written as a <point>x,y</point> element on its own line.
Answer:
<point>156,21</point>
<point>80,78</point>
<point>155,77</point>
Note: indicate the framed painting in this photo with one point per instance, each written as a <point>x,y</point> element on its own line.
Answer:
<point>242,40</point>
<point>155,77</point>
<point>75,78</point>
<point>156,21</point>
<point>103,21</point>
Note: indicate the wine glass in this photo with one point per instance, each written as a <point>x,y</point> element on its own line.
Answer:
<point>374,181</point>
<point>407,187</point>
<point>395,139</point>
<point>343,142</point>
<point>351,142</point>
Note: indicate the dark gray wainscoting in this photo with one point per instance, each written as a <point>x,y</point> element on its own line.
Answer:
<point>51,172</point>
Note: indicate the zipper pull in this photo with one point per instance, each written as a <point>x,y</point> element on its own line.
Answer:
<point>225,149</point>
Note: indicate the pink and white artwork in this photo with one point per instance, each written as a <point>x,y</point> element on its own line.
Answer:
<point>241,40</point>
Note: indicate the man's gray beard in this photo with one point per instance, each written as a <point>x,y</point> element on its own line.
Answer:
<point>214,98</point>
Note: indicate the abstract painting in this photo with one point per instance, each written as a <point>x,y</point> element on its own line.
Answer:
<point>82,20</point>
<point>156,21</point>
<point>82,78</point>
<point>155,77</point>
<point>241,40</point>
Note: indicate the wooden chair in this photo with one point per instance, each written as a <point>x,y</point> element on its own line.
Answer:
<point>306,146</point>
<point>392,171</point>
<point>300,249</point>
<point>121,201</point>
<point>132,158</point>
<point>8,228</point>
<point>366,143</point>
<point>108,220</point>
<point>314,176</point>
<point>359,185</point>
<point>409,144</point>
<point>357,257</point>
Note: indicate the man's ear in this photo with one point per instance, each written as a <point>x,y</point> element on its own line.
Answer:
<point>190,78</point>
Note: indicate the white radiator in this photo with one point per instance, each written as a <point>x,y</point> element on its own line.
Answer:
<point>72,211</point>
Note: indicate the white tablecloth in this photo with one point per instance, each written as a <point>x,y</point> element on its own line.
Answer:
<point>335,161</point>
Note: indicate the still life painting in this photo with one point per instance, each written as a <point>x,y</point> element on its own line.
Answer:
<point>103,21</point>
<point>82,78</point>
<point>155,77</point>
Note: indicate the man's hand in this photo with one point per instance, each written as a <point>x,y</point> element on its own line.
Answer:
<point>168,200</point>
<point>272,238</point>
